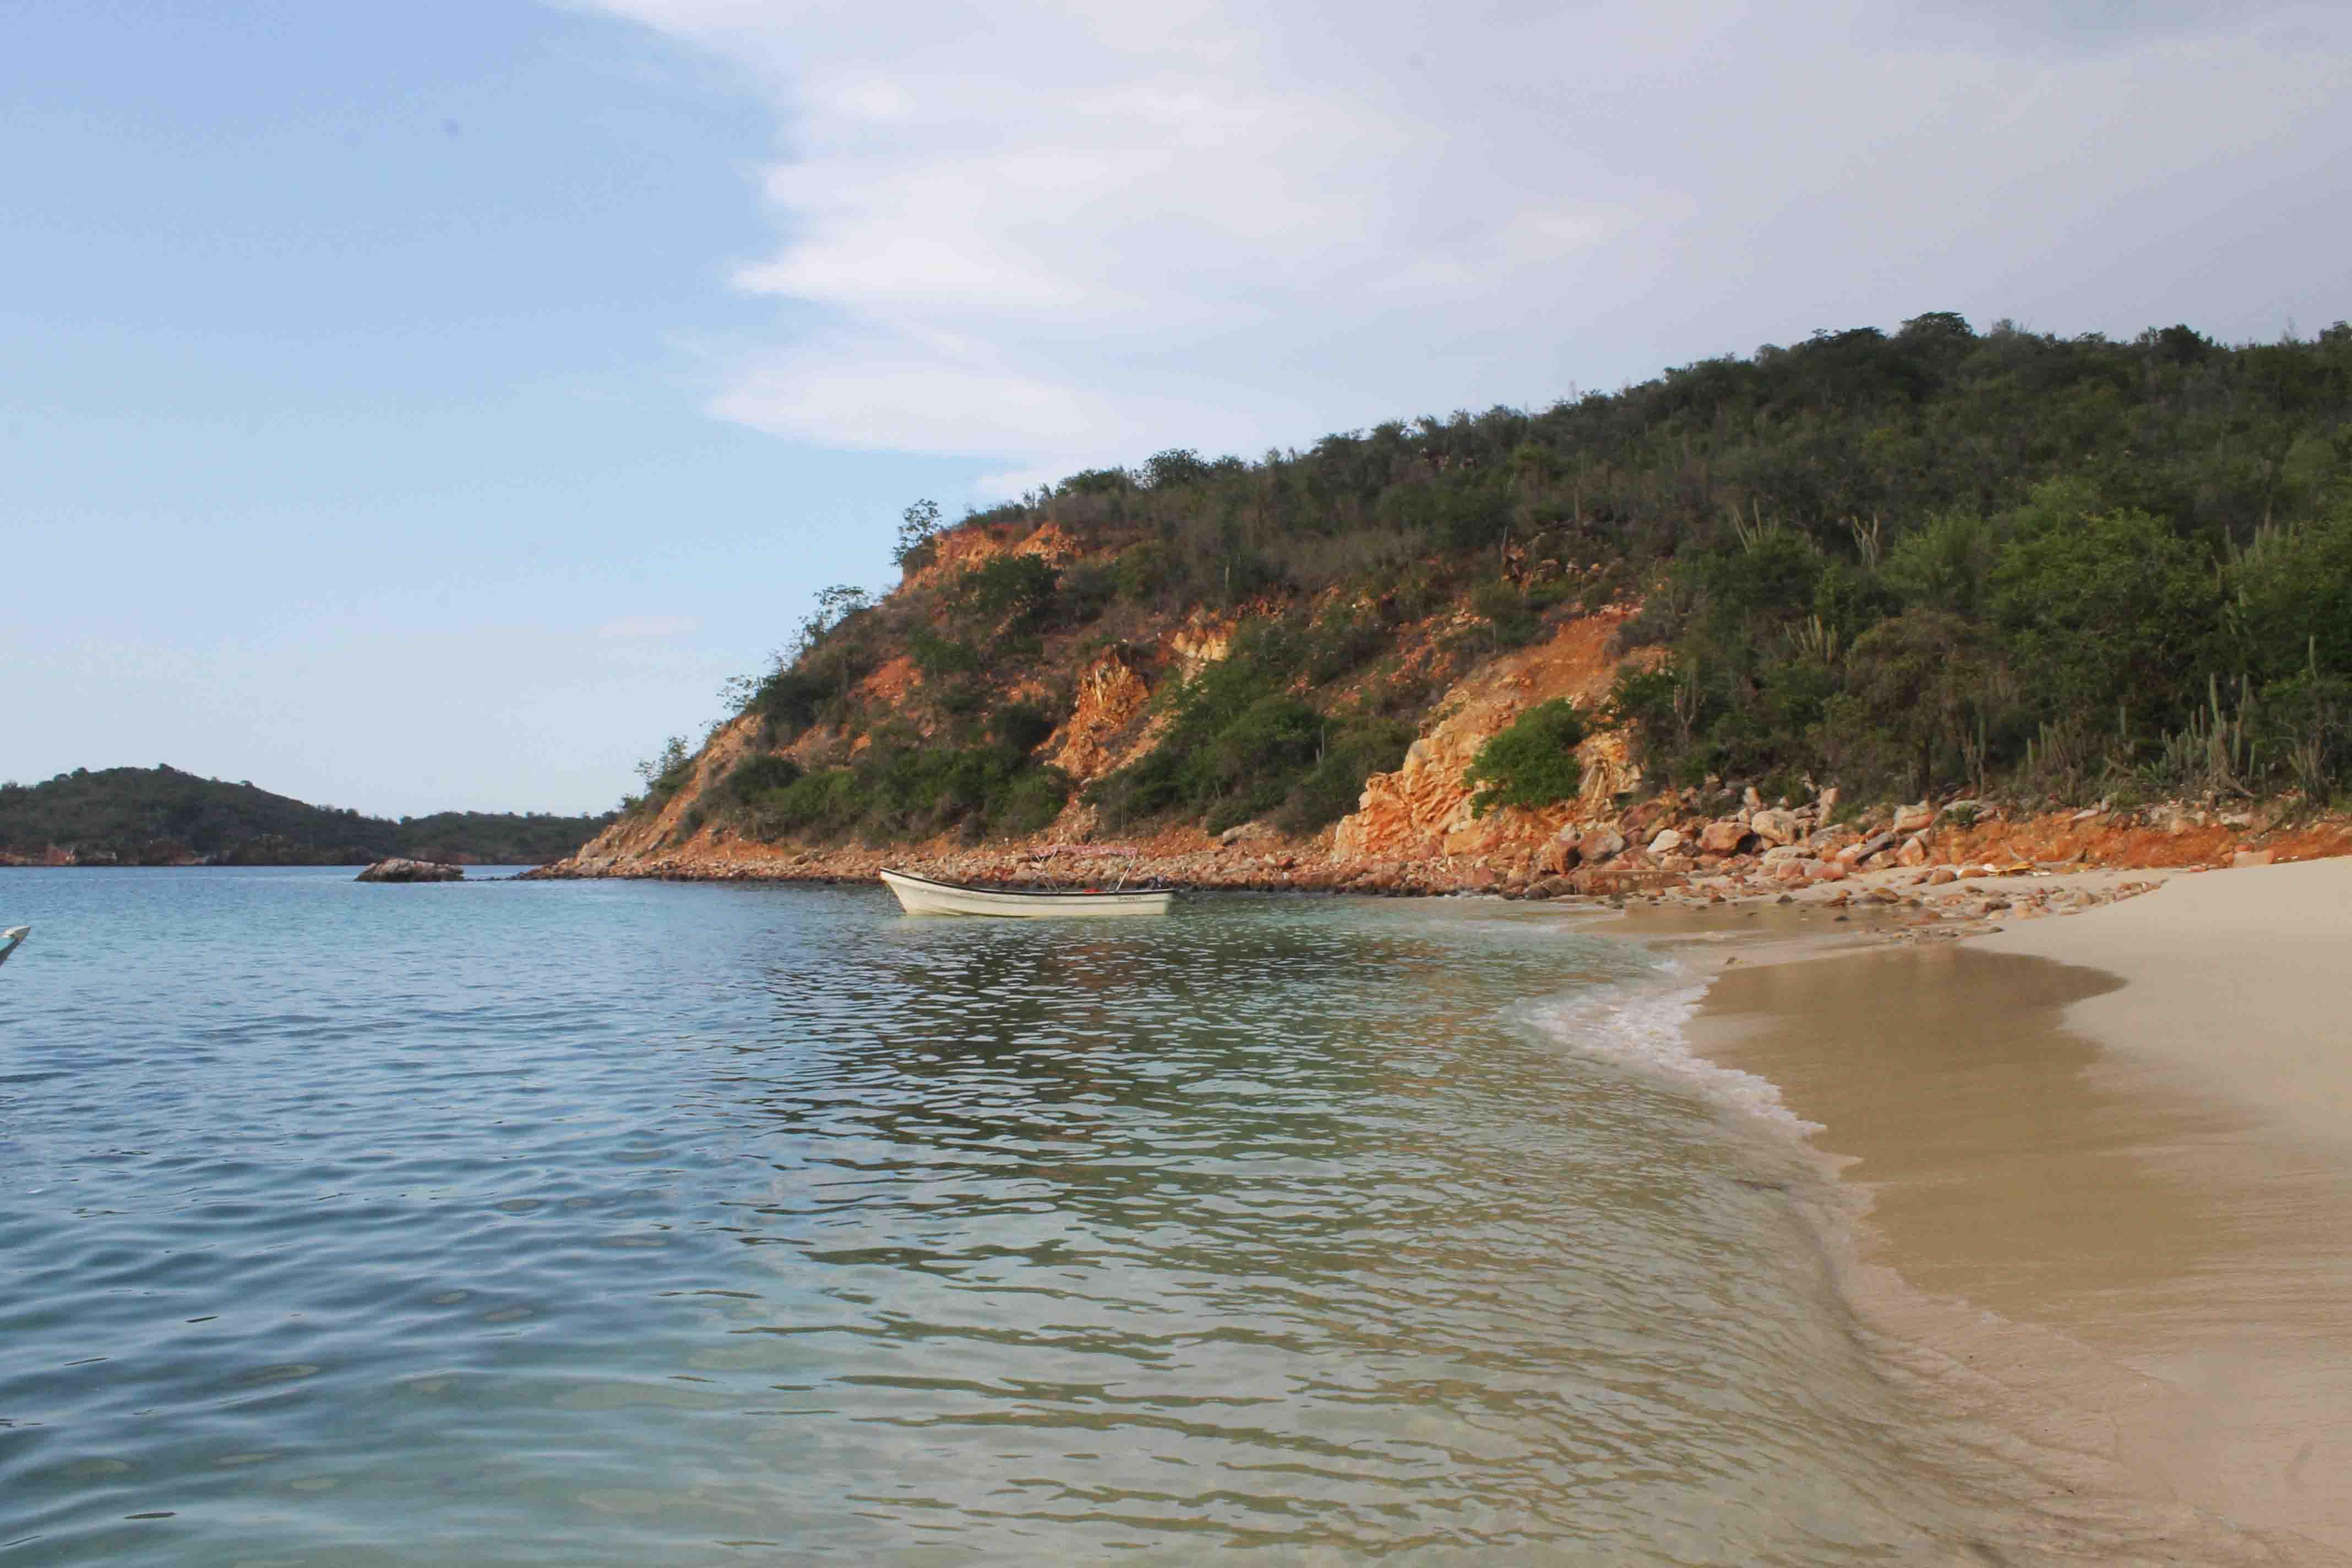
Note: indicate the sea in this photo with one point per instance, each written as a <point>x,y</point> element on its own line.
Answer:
<point>632,1222</point>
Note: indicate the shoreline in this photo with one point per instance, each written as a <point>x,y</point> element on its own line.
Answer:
<point>2094,1168</point>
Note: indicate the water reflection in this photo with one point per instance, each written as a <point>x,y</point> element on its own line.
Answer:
<point>658,1220</point>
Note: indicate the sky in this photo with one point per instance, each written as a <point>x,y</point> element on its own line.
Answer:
<point>431,406</point>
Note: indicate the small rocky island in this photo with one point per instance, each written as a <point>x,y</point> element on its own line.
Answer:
<point>400,870</point>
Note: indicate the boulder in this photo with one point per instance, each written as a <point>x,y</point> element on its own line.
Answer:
<point>1775,826</point>
<point>1911,819</point>
<point>1725,837</point>
<point>1854,853</point>
<point>1667,842</point>
<point>1604,881</point>
<point>399,871</point>
<point>1913,851</point>
<point>1558,855</point>
<point>1600,844</point>
<point>2250,857</point>
<point>1827,805</point>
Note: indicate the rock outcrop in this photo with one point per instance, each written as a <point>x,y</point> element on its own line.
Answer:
<point>399,871</point>
<point>1423,809</point>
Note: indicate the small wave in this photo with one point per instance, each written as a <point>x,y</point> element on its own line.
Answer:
<point>1647,1027</point>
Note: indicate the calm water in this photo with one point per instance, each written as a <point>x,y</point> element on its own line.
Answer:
<point>591,1223</point>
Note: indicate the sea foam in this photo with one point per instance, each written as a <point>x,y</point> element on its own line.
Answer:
<point>1646,1026</point>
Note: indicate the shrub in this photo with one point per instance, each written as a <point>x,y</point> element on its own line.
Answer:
<point>937,657</point>
<point>1353,750</point>
<point>1086,592</point>
<point>1339,642</point>
<point>2303,730</point>
<point>787,700</point>
<point>757,775</point>
<point>1532,762</point>
<point>918,532</point>
<point>1140,571</point>
<point>1010,590</point>
<point>664,773</point>
<point>1510,623</point>
<point>2107,612</point>
<point>1021,727</point>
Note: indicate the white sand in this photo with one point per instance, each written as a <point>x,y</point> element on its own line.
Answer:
<point>2130,1129</point>
<point>2237,982</point>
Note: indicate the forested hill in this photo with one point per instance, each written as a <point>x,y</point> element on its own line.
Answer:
<point>1930,560</point>
<point>163,816</point>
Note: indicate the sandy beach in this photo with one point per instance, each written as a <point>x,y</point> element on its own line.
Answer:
<point>2107,1170</point>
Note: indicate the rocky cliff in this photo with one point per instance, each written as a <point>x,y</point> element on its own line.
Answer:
<point>1412,828</point>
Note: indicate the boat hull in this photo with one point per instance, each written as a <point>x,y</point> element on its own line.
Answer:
<point>921,896</point>
<point>12,939</point>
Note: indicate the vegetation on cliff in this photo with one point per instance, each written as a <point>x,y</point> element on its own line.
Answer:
<point>1902,562</point>
<point>163,816</point>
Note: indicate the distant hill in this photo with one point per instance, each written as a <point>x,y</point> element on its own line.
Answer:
<point>161,816</point>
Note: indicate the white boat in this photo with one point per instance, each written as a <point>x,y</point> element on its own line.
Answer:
<point>12,939</point>
<point>922,896</point>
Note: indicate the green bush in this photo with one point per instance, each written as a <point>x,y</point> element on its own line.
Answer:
<point>1021,727</point>
<point>1353,750</point>
<point>1242,744</point>
<point>1085,592</point>
<point>1509,622</point>
<point>2109,612</point>
<point>1140,571</point>
<point>1533,762</point>
<point>937,657</point>
<point>788,701</point>
<point>903,786</point>
<point>2303,730</point>
<point>759,775</point>
<point>1011,591</point>
<point>664,773</point>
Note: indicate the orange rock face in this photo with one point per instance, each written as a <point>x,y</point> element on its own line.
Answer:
<point>1423,809</point>
<point>1110,694</point>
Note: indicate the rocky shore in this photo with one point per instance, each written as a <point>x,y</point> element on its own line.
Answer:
<point>1935,868</point>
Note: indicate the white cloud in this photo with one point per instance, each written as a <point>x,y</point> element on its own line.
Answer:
<point>1059,237</point>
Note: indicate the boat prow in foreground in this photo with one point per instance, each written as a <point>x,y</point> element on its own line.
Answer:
<point>922,896</point>
<point>11,938</point>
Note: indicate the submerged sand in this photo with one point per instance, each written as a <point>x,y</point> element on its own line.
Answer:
<point>2109,1175</point>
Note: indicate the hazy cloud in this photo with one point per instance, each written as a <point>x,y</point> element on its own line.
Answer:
<point>1060,237</point>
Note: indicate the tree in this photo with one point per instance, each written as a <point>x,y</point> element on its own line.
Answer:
<point>918,534</point>
<point>1922,685</point>
<point>1532,762</point>
<point>834,607</point>
<point>1176,466</point>
<point>2109,614</point>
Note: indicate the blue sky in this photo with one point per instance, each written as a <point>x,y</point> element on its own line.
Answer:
<point>431,406</point>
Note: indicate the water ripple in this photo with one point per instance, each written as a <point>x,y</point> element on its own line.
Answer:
<point>580,1223</point>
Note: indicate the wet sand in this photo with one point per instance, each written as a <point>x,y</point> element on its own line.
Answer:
<point>2108,1179</point>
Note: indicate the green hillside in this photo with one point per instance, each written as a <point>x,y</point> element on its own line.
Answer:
<point>1928,559</point>
<point>161,815</point>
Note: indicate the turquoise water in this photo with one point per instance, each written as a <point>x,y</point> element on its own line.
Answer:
<point>591,1223</point>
